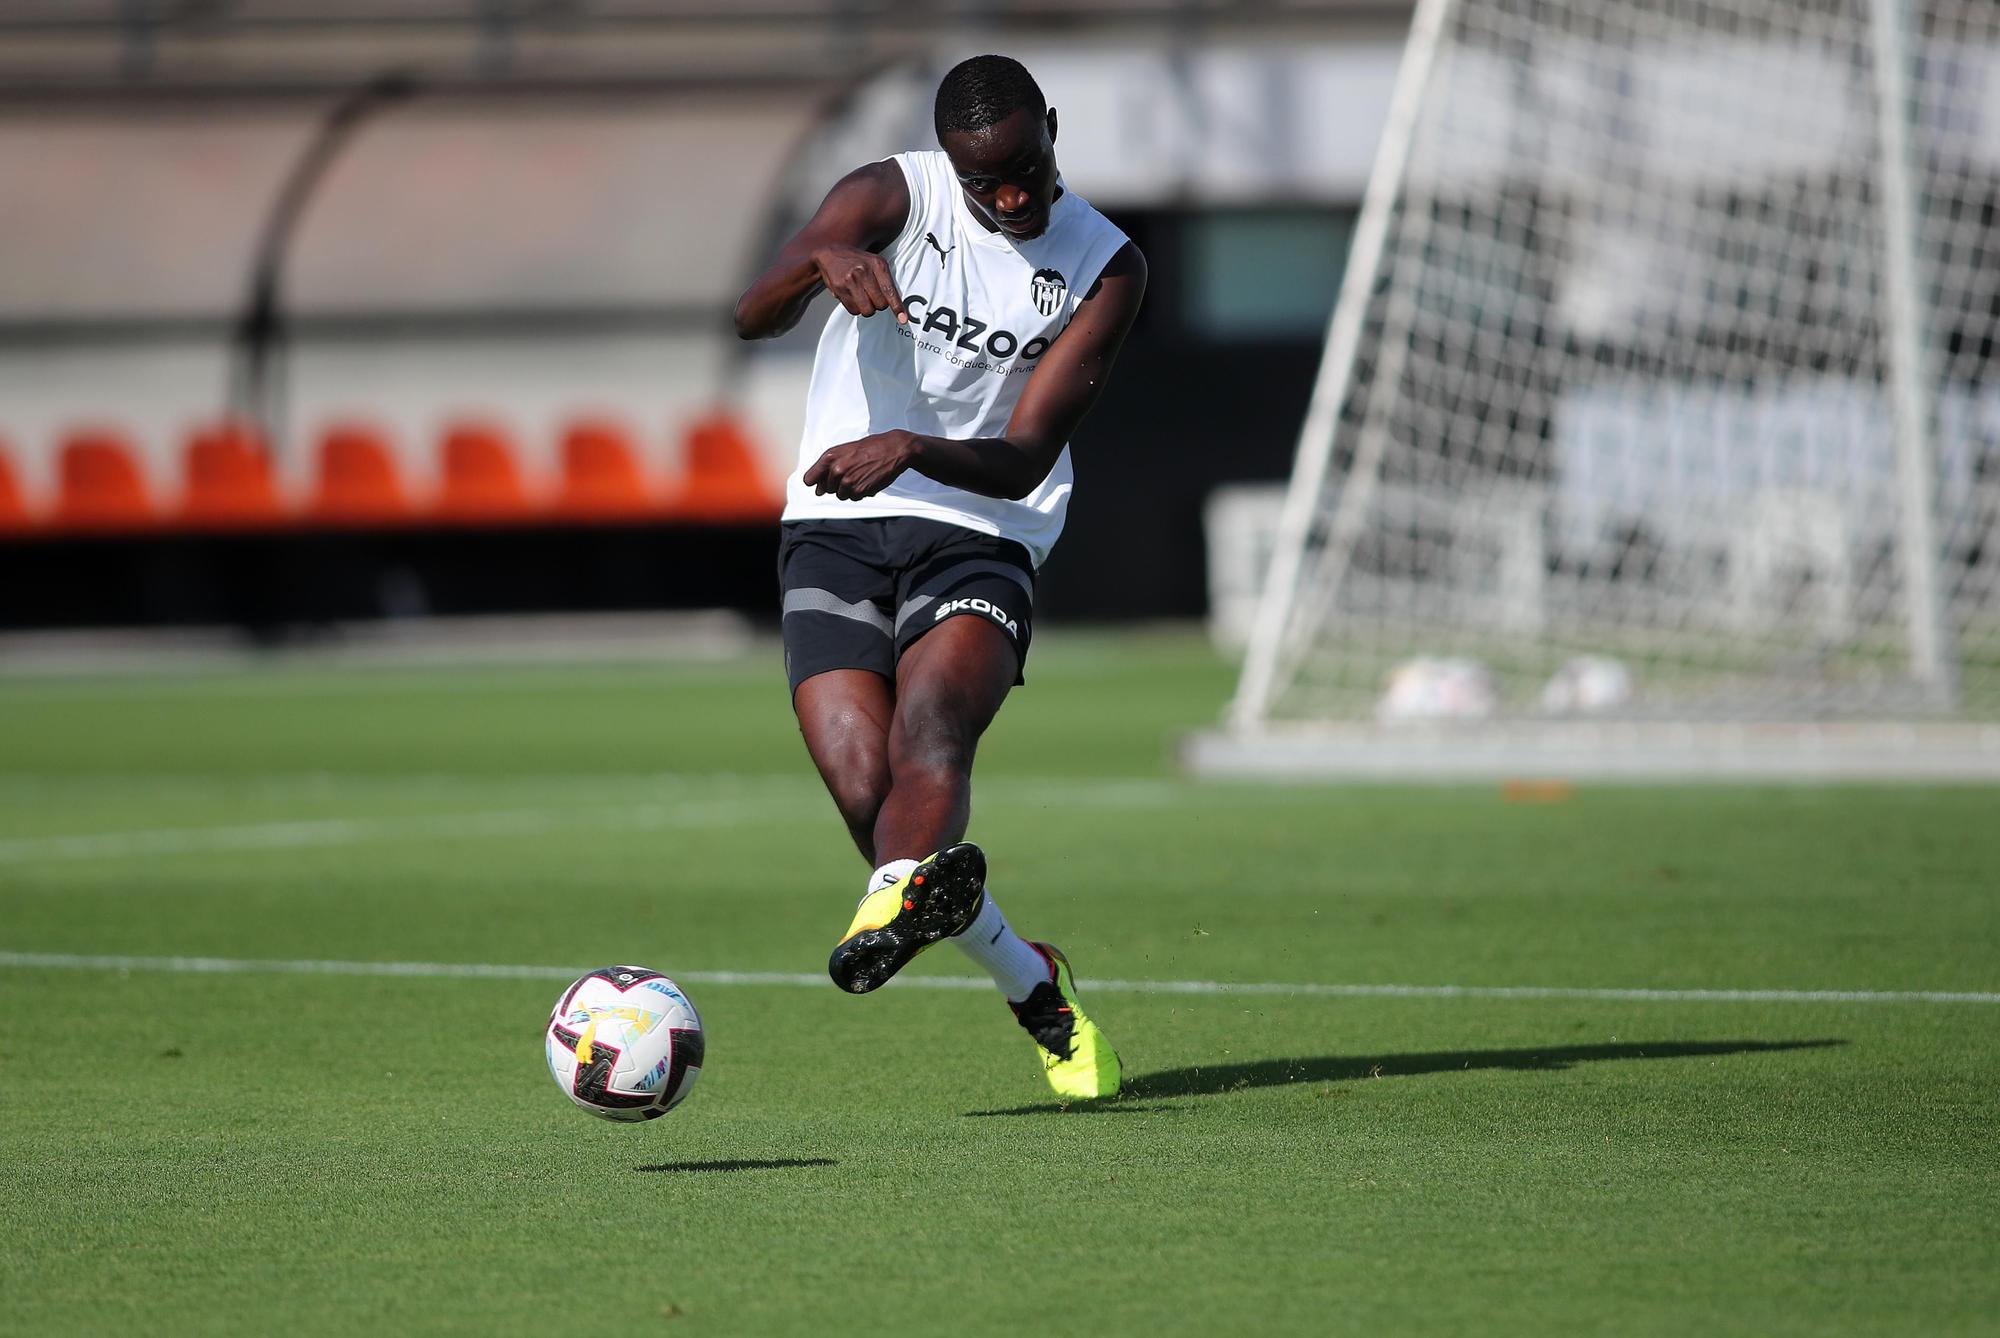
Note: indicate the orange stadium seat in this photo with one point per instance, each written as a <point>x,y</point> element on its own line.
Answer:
<point>482,481</point>
<point>601,479</point>
<point>13,506</point>
<point>724,480</point>
<point>100,484</point>
<point>355,481</point>
<point>228,477</point>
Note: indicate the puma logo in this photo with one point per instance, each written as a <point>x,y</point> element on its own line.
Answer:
<point>941,249</point>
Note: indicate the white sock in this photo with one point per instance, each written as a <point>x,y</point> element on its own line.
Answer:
<point>895,871</point>
<point>1012,962</point>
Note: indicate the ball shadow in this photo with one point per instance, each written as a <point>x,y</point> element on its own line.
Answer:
<point>736,1164</point>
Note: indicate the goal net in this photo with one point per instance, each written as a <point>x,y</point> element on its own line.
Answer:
<point>1661,387</point>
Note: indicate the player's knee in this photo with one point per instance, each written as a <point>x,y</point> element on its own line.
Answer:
<point>860,803</point>
<point>859,782</point>
<point>855,767</point>
<point>934,743</point>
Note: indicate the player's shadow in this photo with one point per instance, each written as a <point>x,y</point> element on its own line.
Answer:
<point>1220,1079</point>
<point>737,1164</point>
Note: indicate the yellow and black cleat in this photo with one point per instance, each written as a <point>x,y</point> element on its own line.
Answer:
<point>1076,1058</point>
<point>935,900</point>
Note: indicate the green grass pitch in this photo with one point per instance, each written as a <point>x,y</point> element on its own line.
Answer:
<point>269,1152</point>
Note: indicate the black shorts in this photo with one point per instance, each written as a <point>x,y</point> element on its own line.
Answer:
<point>858,593</point>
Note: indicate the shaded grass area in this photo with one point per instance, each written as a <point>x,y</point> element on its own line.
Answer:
<point>1218,1079</point>
<point>330,1154</point>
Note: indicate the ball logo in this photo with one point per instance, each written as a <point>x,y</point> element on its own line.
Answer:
<point>1048,287</point>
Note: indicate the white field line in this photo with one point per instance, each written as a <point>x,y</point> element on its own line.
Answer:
<point>311,832</point>
<point>814,980</point>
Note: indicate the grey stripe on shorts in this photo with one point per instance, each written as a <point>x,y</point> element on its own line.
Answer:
<point>917,604</point>
<point>812,599</point>
<point>978,565</point>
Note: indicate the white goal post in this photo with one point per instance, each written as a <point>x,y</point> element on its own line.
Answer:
<point>1658,426</point>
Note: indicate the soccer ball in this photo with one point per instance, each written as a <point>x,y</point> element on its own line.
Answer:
<point>1433,688</point>
<point>625,1043</point>
<point>1588,685</point>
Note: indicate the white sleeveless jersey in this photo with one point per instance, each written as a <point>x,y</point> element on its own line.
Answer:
<point>984,307</point>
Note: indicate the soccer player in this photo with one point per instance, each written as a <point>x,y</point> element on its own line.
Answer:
<point>980,304</point>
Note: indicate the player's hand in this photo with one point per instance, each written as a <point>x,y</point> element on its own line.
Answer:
<point>858,469</point>
<point>860,281</point>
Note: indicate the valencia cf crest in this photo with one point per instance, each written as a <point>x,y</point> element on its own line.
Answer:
<point>1048,287</point>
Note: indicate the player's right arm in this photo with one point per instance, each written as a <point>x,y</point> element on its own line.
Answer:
<point>839,250</point>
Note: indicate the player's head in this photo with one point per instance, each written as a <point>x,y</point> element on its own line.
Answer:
<point>998,131</point>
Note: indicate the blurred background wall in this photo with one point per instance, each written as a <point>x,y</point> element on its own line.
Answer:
<point>525,219</point>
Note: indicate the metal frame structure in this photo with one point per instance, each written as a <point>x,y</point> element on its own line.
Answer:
<point>1289,611</point>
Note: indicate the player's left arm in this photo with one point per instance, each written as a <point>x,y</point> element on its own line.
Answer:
<point>1059,393</point>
